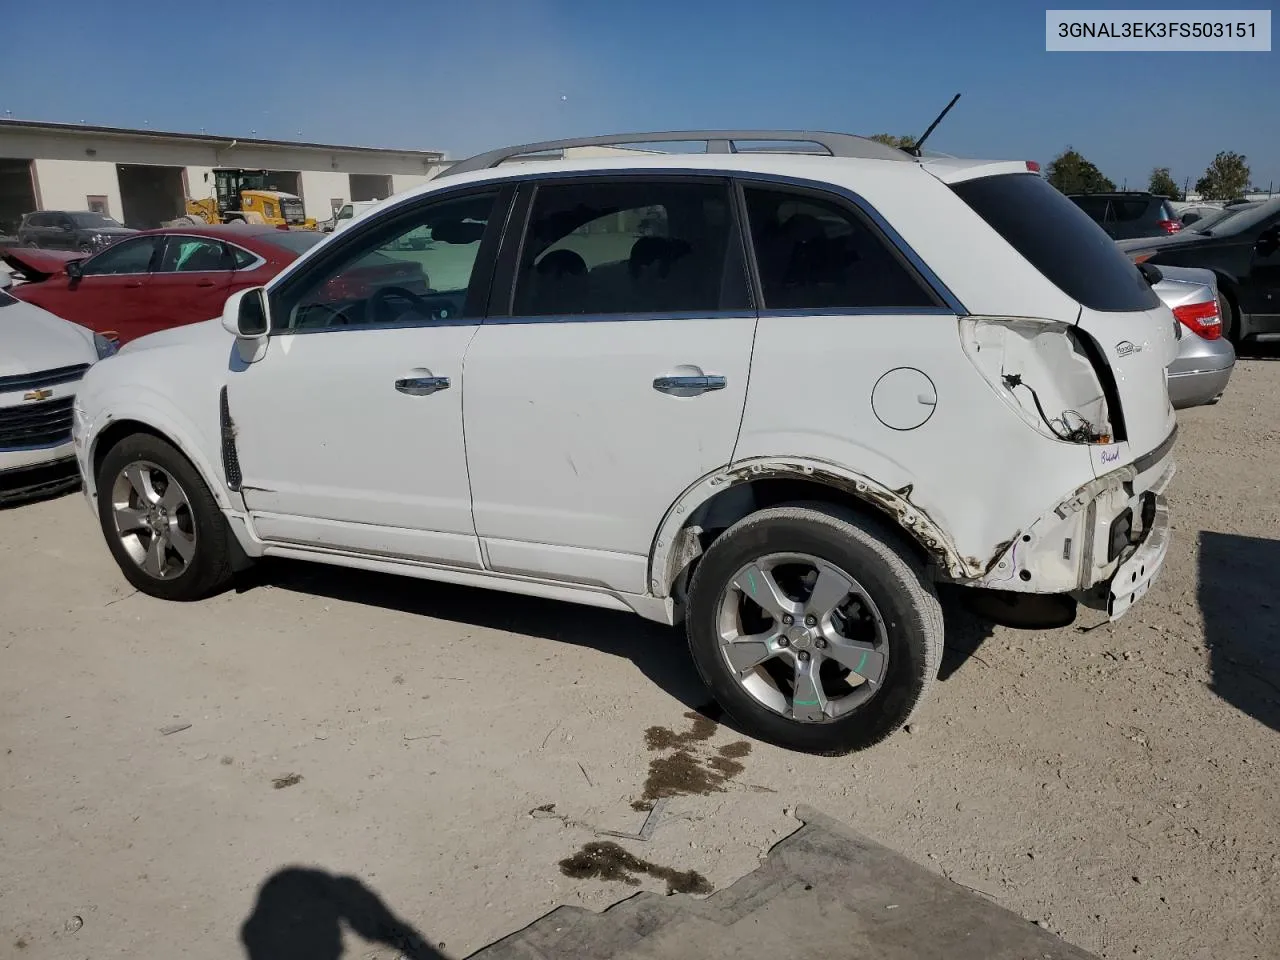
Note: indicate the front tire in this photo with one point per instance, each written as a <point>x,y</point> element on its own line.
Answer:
<point>815,628</point>
<point>162,524</point>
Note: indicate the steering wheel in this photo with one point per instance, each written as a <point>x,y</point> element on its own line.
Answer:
<point>379,304</point>
<point>333,312</point>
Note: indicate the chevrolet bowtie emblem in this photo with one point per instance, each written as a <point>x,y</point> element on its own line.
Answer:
<point>39,393</point>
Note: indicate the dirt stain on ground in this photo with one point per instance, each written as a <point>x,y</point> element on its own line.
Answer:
<point>286,781</point>
<point>685,770</point>
<point>604,860</point>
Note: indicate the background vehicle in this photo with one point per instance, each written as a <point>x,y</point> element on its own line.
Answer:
<point>42,360</point>
<point>1132,214</point>
<point>1243,252</point>
<point>246,196</point>
<point>349,213</point>
<point>157,279</point>
<point>785,472</point>
<point>1200,373</point>
<point>81,230</point>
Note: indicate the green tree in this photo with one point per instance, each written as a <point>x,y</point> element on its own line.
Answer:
<point>889,140</point>
<point>1163,184</point>
<point>1072,173</point>
<point>1226,178</point>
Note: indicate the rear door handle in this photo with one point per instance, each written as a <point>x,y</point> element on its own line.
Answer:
<point>204,283</point>
<point>422,386</point>
<point>689,386</point>
<point>130,284</point>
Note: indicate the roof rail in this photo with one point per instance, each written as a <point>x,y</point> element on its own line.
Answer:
<point>717,141</point>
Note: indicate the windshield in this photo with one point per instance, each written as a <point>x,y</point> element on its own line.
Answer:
<point>295,241</point>
<point>1244,218</point>
<point>92,220</point>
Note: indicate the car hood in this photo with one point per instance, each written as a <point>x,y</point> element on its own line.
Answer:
<point>207,331</point>
<point>35,265</point>
<point>32,340</point>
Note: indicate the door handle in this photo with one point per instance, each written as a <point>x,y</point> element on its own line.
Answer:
<point>689,386</point>
<point>422,386</point>
<point>204,283</point>
<point>130,284</point>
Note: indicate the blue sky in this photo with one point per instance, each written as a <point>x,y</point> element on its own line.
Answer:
<point>467,75</point>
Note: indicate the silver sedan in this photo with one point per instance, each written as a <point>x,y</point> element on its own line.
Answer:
<point>1200,372</point>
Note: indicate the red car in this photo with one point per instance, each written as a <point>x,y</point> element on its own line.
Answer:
<point>166,278</point>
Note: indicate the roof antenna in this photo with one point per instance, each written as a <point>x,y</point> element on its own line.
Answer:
<point>914,149</point>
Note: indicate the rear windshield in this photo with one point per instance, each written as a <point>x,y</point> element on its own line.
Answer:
<point>1059,240</point>
<point>295,241</point>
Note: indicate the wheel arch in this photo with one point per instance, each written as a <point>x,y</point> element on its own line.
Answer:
<point>726,496</point>
<point>166,425</point>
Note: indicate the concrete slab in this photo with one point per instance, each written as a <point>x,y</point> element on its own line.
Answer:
<point>824,891</point>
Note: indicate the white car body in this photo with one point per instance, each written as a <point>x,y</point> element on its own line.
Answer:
<point>1018,438</point>
<point>562,497</point>
<point>42,360</point>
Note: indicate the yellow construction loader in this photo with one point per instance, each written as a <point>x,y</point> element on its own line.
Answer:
<point>242,196</point>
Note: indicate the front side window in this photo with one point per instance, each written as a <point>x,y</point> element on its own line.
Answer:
<point>816,254</point>
<point>128,256</point>
<point>412,268</point>
<point>630,246</point>
<point>194,255</point>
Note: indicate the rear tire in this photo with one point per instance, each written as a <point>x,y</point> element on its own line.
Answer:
<point>890,616</point>
<point>161,523</point>
<point>1227,313</point>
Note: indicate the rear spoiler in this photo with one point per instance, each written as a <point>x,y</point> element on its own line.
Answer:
<point>36,265</point>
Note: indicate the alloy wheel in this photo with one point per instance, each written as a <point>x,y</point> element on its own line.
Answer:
<point>153,519</point>
<point>802,637</point>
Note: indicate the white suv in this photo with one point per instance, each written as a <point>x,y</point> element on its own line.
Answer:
<point>777,396</point>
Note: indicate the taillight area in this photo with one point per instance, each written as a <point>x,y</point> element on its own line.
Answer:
<point>1033,166</point>
<point>1169,226</point>
<point>1201,318</point>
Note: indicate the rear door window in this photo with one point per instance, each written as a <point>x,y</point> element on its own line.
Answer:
<point>816,254</point>
<point>1060,240</point>
<point>631,246</point>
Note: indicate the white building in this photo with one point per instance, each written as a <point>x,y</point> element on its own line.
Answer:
<point>143,177</point>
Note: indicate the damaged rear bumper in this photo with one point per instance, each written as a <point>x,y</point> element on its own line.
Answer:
<point>1135,575</point>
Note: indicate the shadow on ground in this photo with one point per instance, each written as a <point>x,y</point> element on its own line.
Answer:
<point>1240,603</point>
<point>300,914</point>
<point>658,652</point>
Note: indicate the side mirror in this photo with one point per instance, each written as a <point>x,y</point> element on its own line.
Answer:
<point>74,269</point>
<point>245,314</point>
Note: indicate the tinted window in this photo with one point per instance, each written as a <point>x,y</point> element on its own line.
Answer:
<point>1131,208</point>
<point>194,255</point>
<point>413,268</point>
<point>1095,207</point>
<point>630,246</point>
<point>37,220</point>
<point>128,256</point>
<point>820,255</point>
<point>1059,240</point>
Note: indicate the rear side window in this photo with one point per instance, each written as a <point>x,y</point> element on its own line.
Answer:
<point>1059,240</point>
<point>815,254</point>
<point>631,246</point>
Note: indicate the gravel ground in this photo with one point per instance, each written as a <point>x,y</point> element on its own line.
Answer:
<point>160,762</point>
